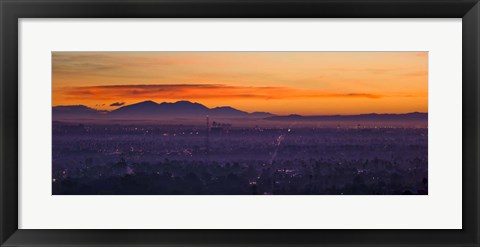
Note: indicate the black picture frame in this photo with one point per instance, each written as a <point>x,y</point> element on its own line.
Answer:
<point>12,10</point>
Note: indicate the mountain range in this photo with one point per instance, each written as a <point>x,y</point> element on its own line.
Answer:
<point>413,116</point>
<point>187,109</point>
<point>153,110</point>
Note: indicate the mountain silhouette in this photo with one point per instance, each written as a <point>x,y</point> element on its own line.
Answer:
<point>186,109</point>
<point>261,114</point>
<point>76,111</point>
<point>227,111</point>
<point>413,116</point>
<point>152,109</point>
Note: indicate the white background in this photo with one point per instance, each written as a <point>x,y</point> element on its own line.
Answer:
<point>442,208</point>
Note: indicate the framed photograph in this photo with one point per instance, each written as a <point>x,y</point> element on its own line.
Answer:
<point>290,123</point>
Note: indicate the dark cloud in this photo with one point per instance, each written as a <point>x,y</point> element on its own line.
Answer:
<point>204,91</point>
<point>117,104</point>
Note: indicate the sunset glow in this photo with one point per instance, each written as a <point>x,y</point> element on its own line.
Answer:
<point>308,83</point>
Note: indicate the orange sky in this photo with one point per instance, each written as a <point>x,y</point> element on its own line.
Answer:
<point>308,83</point>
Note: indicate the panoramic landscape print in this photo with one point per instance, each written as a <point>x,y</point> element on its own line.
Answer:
<point>240,123</point>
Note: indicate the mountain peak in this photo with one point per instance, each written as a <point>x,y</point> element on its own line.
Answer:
<point>147,102</point>
<point>184,102</point>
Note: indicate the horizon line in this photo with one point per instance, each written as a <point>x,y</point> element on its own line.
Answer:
<point>278,115</point>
